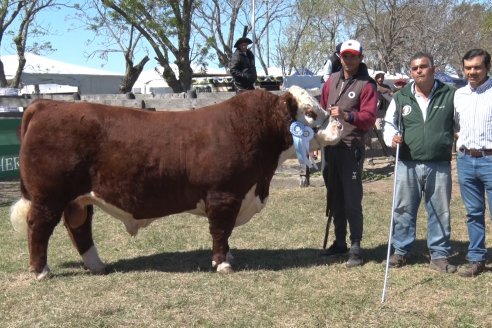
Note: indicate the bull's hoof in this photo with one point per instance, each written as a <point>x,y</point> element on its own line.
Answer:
<point>224,267</point>
<point>93,263</point>
<point>45,274</point>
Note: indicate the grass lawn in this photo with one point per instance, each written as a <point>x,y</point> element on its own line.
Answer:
<point>162,277</point>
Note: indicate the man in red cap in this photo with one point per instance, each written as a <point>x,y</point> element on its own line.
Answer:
<point>242,66</point>
<point>349,95</point>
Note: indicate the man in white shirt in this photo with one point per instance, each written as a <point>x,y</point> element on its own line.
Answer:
<point>473,118</point>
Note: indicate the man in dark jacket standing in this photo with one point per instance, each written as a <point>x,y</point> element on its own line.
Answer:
<point>350,95</point>
<point>242,66</point>
<point>423,112</point>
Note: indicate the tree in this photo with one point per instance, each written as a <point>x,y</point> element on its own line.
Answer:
<point>114,34</point>
<point>8,13</point>
<point>309,37</point>
<point>476,33</point>
<point>383,27</point>
<point>24,13</point>
<point>216,23</point>
<point>267,13</point>
<point>166,25</point>
<point>28,28</point>
<point>220,23</point>
<point>391,31</point>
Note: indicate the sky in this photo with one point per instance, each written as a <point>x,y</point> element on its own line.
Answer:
<point>69,39</point>
<point>70,43</point>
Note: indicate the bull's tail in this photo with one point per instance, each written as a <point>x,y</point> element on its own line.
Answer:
<point>18,211</point>
<point>18,215</point>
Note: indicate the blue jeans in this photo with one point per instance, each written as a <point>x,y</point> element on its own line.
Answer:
<point>475,179</point>
<point>431,180</point>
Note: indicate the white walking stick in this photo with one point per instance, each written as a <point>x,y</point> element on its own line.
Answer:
<point>383,297</point>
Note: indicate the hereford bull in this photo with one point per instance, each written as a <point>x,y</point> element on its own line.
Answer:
<point>137,166</point>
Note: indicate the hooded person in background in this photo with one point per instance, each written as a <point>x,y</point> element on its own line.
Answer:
<point>350,96</point>
<point>242,66</point>
<point>333,63</point>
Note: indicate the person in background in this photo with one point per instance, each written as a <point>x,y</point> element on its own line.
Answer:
<point>350,96</point>
<point>423,112</point>
<point>385,95</point>
<point>242,66</point>
<point>384,92</point>
<point>473,117</point>
<point>333,63</point>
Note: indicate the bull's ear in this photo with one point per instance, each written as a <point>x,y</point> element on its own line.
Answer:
<point>291,103</point>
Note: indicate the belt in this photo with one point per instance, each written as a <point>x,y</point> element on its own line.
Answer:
<point>476,152</point>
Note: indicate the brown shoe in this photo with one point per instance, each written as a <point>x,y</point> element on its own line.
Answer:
<point>397,261</point>
<point>442,265</point>
<point>472,269</point>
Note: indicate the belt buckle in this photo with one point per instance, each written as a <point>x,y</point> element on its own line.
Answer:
<point>476,153</point>
<point>471,152</point>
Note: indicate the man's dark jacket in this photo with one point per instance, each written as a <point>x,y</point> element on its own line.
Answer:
<point>243,69</point>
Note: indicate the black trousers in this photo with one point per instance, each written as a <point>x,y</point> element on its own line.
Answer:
<point>343,180</point>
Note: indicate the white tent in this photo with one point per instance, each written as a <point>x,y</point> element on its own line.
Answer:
<point>49,74</point>
<point>151,81</point>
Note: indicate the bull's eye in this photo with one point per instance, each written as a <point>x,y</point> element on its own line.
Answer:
<point>310,113</point>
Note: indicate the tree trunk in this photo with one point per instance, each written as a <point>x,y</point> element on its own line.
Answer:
<point>3,79</point>
<point>132,74</point>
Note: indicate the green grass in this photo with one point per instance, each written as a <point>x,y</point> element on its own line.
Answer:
<point>162,277</point>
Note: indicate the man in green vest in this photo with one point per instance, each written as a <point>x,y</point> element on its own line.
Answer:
<point>420,120</point>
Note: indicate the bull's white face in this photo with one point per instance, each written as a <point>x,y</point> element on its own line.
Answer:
<point>310,113</point>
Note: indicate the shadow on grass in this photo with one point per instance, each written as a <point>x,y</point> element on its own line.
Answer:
<point>419,253</point>
<point>200,260</point>
<point>265,259</point>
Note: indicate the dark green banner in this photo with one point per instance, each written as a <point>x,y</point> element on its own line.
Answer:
<point>9,147</point>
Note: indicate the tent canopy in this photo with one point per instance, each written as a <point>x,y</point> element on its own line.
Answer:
<point>41,70</point>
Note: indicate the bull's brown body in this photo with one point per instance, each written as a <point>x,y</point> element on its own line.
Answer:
<point>217,161</point>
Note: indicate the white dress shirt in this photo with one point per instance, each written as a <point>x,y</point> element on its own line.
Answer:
<point>473,116</point>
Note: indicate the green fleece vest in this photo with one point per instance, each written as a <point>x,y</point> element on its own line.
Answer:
<point>431,140</point>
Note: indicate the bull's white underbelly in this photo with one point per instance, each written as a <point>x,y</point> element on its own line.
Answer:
<point>250,205</point>
<point>131,224</point>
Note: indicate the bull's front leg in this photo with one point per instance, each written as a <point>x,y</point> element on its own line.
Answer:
<point>222,219</point>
